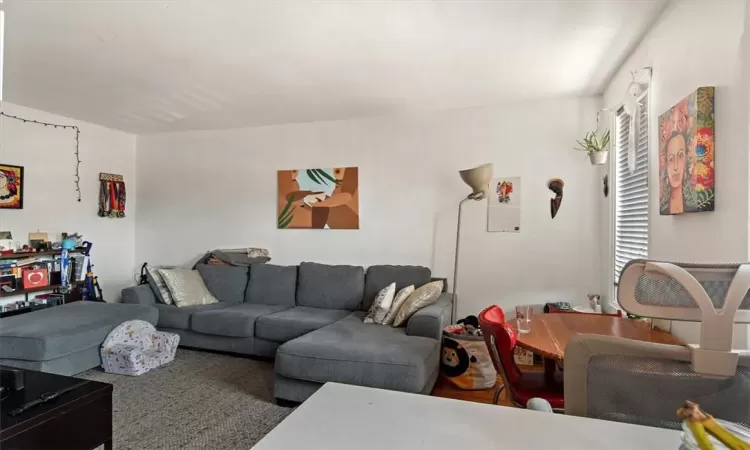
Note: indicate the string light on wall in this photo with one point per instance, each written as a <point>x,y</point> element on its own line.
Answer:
<point>77,177</point>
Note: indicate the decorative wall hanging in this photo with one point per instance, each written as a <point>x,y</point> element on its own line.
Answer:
<point>555,185</point>
<point>11,187</point>
<point>686,155</point>
<point>318,198</point>
<point>504,205</point>
<point>111,195</point>
<point>76,153</point>
<point>605,183</point>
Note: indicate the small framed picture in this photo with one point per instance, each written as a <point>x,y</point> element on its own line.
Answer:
<point>11,187</point>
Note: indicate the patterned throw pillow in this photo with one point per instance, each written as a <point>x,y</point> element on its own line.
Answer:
<point>158,286</point>
<point>424,296</point>
<point>381,305</point>
<point>187,287</point>
<point>398,301</point>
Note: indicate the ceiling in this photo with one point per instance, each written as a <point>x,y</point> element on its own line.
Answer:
<point>151,66</point>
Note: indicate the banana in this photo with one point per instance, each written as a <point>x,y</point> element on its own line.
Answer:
<point>702,424</point>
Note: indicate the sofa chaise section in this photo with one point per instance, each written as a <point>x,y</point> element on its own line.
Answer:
<point>64,339</point>
<point>352,352</point>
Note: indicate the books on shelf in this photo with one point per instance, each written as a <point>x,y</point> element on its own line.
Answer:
<point>12,271</point>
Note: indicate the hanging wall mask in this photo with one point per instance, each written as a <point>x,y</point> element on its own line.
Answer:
<point>605,188</point>
<point>555,185</point>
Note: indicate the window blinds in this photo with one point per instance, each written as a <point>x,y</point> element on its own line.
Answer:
<point>631,188</point>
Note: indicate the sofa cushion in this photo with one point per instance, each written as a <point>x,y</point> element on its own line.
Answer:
<point>226,283</point>
<point>379,277</point>
<point>187,287</point>
<point>291,323</point>
<point>331,287</point>
<point>158,285</point>
<point>271,285</point>
<point>233,321</point>
<point>170,316</point>
<point>351,352</point>
<point>56,332</point>
<point>421,297</point>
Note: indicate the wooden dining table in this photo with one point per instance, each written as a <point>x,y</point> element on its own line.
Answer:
<point>550,333</point>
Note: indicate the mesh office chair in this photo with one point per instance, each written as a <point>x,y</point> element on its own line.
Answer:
<point>644,383</point>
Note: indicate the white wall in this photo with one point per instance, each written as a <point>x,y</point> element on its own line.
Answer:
<point>203,190</point>
<point>695,45</point>
<point>50,203</point>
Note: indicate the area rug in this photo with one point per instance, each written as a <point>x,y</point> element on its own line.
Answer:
<point>200,400</point>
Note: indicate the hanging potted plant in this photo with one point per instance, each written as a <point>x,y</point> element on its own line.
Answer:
<point>596,146</point>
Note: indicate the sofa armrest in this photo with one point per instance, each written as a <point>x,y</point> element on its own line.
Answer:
<point>166,342</point>
<point>429,321</point>
<point>139,295</point>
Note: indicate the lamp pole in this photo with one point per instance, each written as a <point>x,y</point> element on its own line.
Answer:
<point>478,179</point>
<point>455,260</point>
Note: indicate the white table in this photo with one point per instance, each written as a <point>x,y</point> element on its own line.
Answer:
<point>344,417</point>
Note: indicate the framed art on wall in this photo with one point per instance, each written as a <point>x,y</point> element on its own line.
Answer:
<point>318,198</point>
<point>11,187</point>
<point>504,205</point>
<point>686,155</point>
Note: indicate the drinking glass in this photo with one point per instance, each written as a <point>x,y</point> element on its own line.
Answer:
<point>523,318</point>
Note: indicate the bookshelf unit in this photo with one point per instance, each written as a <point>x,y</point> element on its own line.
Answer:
<point>49,287</point>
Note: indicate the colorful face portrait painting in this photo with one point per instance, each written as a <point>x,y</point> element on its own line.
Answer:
<point>686,155</point>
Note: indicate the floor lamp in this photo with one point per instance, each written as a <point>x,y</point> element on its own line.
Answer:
<point>478,180</point>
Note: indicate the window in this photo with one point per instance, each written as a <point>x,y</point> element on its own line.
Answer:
<point>631,188</point>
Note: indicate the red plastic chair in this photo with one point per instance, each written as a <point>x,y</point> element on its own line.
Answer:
<point>500,338</point>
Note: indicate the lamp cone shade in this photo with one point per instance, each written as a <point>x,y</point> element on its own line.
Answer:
<point>478,179</point>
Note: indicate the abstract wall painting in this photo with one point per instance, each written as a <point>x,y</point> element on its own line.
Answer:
<point>318,198</point>
<point>504,205</point>
<point>686,155</point>
<point>11,187</point>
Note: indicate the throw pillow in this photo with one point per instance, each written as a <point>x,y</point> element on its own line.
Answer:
<point>424,296</point>
<point>381,305</point>
<point>161,291</point>
<point>187,287</point>
<point>398,301</point>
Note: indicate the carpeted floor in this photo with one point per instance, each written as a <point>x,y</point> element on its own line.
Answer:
<point>200,400</point>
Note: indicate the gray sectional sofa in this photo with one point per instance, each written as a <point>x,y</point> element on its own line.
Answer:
<point>310,318</point>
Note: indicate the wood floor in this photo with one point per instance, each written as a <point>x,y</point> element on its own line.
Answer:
<point>444,388</point>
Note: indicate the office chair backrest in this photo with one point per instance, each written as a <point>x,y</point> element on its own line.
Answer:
<point>715,295</point>
<point>644,383</point>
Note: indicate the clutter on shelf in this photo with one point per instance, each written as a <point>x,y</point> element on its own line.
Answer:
<point>61,266</point>
<point>236,256</point>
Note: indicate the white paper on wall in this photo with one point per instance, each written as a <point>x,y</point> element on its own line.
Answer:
<point>504,205</point>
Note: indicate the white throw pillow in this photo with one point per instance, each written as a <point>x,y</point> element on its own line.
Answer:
<point>381,305</point>
<point>398,301</point>
<point>187,287</point>
<point>158,286</point>
<point>424,296</point>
